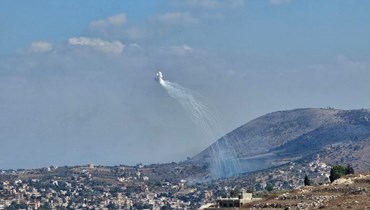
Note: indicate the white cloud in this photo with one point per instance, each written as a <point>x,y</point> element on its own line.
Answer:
<point>346,62</point>
<point>178,50</point>
<point>41,46</point>
<point>212,4</point>
<point>115,20</point>
<point>118,19</point>
<point>280,2</point>
<point>135,45</point>
<point>176,18</point>
<point>187,48</point>
<point>114,27</point>
<point>98,44</point>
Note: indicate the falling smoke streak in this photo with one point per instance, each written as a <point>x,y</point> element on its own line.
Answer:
<point>225,162</point>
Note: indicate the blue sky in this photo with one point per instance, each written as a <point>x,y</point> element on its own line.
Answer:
<point>259,26</point>
<point>26,21</point>
<point>76,77</point>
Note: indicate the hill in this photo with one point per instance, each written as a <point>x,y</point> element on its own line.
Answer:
<point>345,193</point>
<point>284,136</point>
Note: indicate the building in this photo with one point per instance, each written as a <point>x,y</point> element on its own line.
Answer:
<point>242,199</point>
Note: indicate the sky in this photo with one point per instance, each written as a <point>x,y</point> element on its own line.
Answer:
<point>76,77</point>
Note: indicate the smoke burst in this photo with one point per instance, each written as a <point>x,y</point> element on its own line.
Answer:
<point>224,161</point>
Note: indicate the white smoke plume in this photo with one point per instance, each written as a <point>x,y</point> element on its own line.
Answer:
<point>224,160</point>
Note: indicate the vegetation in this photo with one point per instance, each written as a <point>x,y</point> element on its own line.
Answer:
<point>338,171</point>
<point>15,206</point>
<point>307,181</point>
<point>350,170</point>
<point>269,187</point>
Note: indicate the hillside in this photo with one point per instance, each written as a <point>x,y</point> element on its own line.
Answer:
<point>280,137</point>
<point>345,193</point>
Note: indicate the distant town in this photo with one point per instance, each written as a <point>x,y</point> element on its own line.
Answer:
<point>157,186</point>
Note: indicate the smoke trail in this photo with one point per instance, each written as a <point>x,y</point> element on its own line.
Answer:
<point>224,159</point>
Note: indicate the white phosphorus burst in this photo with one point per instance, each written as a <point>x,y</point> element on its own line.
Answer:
<point>224,161</point>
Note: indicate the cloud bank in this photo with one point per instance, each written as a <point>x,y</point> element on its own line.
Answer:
<point>115,47</point>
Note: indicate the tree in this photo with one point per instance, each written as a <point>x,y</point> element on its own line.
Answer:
<point>336,172</point>
<point>269,187</point>
<point>307,181</point>
<point>349,169</point>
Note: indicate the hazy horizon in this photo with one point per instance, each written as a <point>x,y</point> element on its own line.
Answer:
<point>77,78</point>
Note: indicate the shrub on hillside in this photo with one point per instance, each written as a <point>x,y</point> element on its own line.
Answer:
<point>307,181</point>
<point>338,171</point>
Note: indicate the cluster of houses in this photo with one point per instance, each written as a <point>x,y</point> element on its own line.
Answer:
<point>139,187</point>
<point>93,188</point>
<point>292,175</point>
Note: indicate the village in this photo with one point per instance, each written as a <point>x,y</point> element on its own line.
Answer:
<point>159,186</point>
